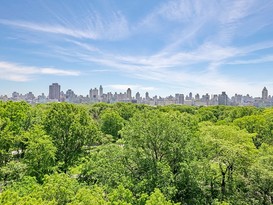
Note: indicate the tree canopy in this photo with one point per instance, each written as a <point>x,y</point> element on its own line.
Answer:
<point>123,153</point>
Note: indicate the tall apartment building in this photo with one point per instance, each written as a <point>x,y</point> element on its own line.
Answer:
<point>129,94</point>
<point>264,94</point>
<point>223,99</point>
<point>179,98</point>
<point>100,91</point>
<point>94,94</point>
<point>54,91</point>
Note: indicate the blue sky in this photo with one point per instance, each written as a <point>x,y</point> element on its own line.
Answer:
<point>163,47</point>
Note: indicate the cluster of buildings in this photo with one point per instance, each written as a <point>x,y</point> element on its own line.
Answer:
<point>97,95</point>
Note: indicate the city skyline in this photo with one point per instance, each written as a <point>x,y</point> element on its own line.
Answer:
<point>56,94</point>
<point>163,47</point>
<point>55,89</point>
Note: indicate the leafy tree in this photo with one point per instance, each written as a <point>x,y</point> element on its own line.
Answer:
<point>14,121</point>
<point>261,176</point>
<point>111,123</point>
<point>12,171</point>
<point>6,141</point>
<point>157,198</point>
<point>96,109</point>
<point>87,196</point>
<point>71,129</point>
<point>105,166</point>
<point>12,197</point>
<point>261,124</point>
<point>180,108</point>
<point>156,144</point>
<point>40,153</point>
<point>125,110</point>
<point>18,114</point>
<point>229,152</point>
<point>121,196</point>
<point>60,188</point>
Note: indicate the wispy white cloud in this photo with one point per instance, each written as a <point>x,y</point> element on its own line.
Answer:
<point>187,10</point>
<point>15,72</point>
<point>231,18</point>
<point>264,59</point>
<point>94,27</point>
<point>55,29</point>
<point>52,71</point>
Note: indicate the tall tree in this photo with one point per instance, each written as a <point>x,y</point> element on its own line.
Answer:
<point>157,142</point>
<point>40,153</point>
<point>229,152</point>
<point>111,123</point>
<point>72,130</point>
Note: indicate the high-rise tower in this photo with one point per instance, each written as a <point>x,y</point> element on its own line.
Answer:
<point>101,91</point>
<point>93,94</point>
<point>54,91</point>
<point>264,94</point>
<point>223,99</point>
<point>129,94</point>
<point>147,96</point>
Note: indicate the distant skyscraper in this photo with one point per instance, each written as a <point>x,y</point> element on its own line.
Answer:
<point>207,97</point>
<point>179,98</point>
<point>129,94</point>
<point>101,91</point>
<point>147,96</point>
<point>30,96</point>
<point>54,91</point>
<point>197,97</point>
<point>94,93</point>
<point>190,95</point>
<point>138,96</point>
<point>15,95</point>
<point>223,99</point>
<point>90,92</point>
<point>70,94</point>
<point>264,94</point>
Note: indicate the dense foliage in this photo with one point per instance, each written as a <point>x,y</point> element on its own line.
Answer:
<point>121,153</point>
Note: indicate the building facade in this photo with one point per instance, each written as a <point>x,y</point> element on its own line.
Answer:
<point>54,91</point>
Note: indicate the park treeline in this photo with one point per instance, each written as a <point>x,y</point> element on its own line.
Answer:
<point>121,154</point>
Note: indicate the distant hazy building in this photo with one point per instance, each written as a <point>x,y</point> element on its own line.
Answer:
<point>42,98</point>
<point>190,95</point>
<point>30,96</point>
<point>237,99</point>
<point>147,96</point>
<point>264,94</point>
<point>197,97</point>
<point>129,94</point>
<point>70,96</point>
<point>54,91</point>
<point>94,94</point>
<point>207,99</point>
<point>179,98</point>
<point>101,91</point>
<point>15,95</point>
<point>138,96</point>
<point>223,99</point>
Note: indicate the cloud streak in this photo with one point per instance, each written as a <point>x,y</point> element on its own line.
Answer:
<point>55,29</point>
<point>92,27</point>
<point>15,72</point>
